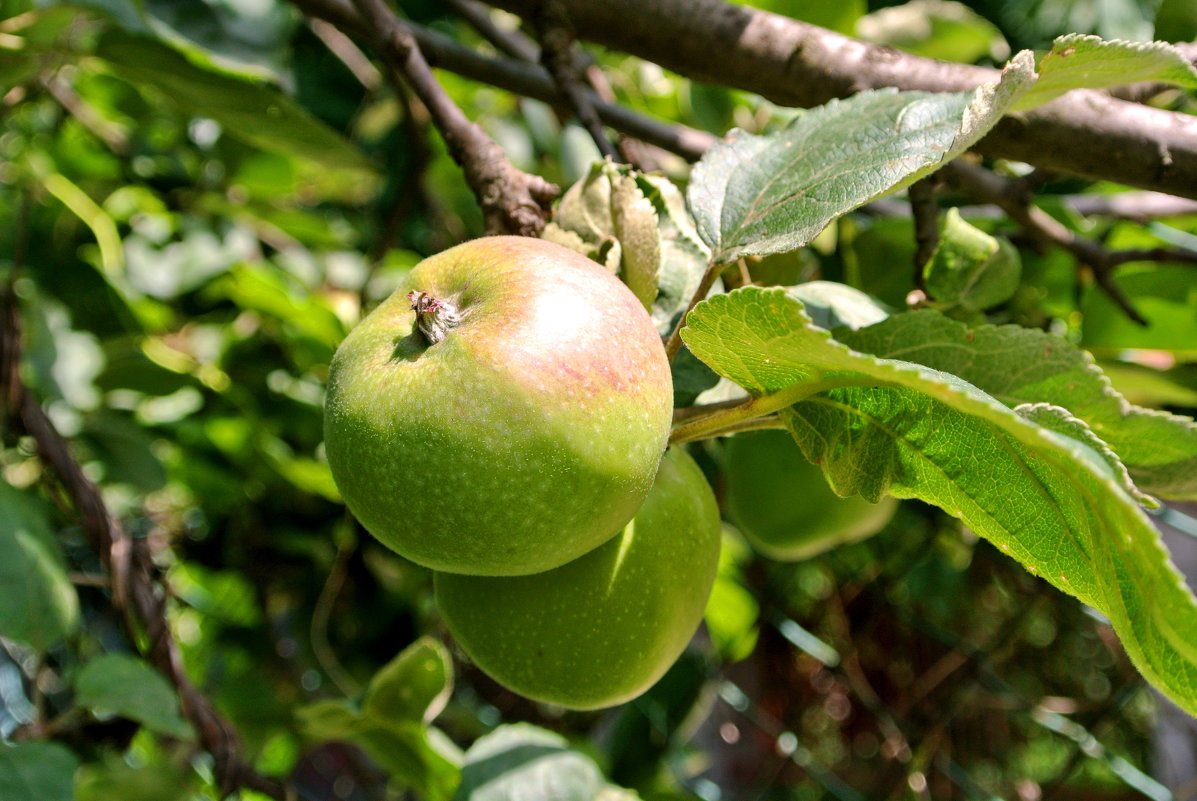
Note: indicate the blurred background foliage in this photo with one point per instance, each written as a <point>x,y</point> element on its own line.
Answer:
<point>199,198</point>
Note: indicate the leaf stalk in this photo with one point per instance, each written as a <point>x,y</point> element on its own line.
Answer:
<point>736,418</point>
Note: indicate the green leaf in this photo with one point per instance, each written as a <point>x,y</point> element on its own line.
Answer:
<point>970,267</point>
<point>39,604</point>
<point>948,31</point>
<point>1021,365</point>
<point>250,111</point>
<point>125,449</point>
<point>37,772</point>
<point>839,16</point>
<point>264,290</point>
<point>226,595</point>
<point>615,224</point>
<point>831,304</point>
<point>684,257</point>
<point>414,686</point>
<point>733,613</point>
<point>415,756</point>
<point>328,720</point>
<point>568,239</point>
<point>1149,386</point>
<point>1049,500</point>
<point>112,256</point>
<point>1176,20</point>
<point>1079,61</point>
<point>113,778</point>
<point>638,226</point>
<point>129,14</point>
<point>524,763</point>
<point>32,35</point>
<point>774,193</point>
<point>585,208</point>
<point>124,686</point>
<point>246,38</point>
<point>635,222</point>
<point>690,378</point>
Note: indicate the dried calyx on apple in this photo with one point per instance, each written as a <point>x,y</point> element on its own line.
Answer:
<point>435,318</point>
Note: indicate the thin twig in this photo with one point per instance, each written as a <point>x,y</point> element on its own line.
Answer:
<point>515,44</point>
<point>110,133</point>
<point>137,589</point>
<point>556,34</point>
<point>926,225</point>
<point>348,53</point>
<point>732,418</point>
<point>525,79</point>
<point>416,153</point>
<point>850,668</point>
<point>512,43</point>
<point>512,201</point>
<point>419,156</point>
<point>690,413</point>
<point>89,579</point>
<point>320,618</point>
<point>674,343</point>
<point>1012,198</point>
<point>1139,206</point>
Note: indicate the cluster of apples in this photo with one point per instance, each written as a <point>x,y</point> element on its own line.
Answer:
<point>503,420</point>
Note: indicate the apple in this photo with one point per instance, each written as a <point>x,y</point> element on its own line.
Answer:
<point>502,413</point>
<point>783,504</point>
<point>602,629</point>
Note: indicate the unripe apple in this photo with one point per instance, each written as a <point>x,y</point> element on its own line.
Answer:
<point>783,505</point>
<point>602,629</point>
<point>502,413</point>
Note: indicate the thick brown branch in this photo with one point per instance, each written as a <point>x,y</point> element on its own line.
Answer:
<point>795,64</point>
<point>513,202</point>
<point>136,584</point>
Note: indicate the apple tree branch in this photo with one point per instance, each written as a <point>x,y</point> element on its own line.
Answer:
<point>523,78</point>
<point>1014,199</point>
<point>135,581</point>
<point>513,202</point>
<point>797,64</point>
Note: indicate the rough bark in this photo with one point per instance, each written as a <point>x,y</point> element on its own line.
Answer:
<point>1085,133</point>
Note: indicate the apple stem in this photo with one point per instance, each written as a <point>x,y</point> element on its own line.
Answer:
<point>434,317</point>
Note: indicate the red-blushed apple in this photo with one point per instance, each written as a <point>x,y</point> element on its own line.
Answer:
<point>602,629</point>
<point>502,413</point>
<point>784,506</point>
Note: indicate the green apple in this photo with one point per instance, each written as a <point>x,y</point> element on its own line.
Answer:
<point>502,413</point>
<point>602,629</point>
<point>782,503</point>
